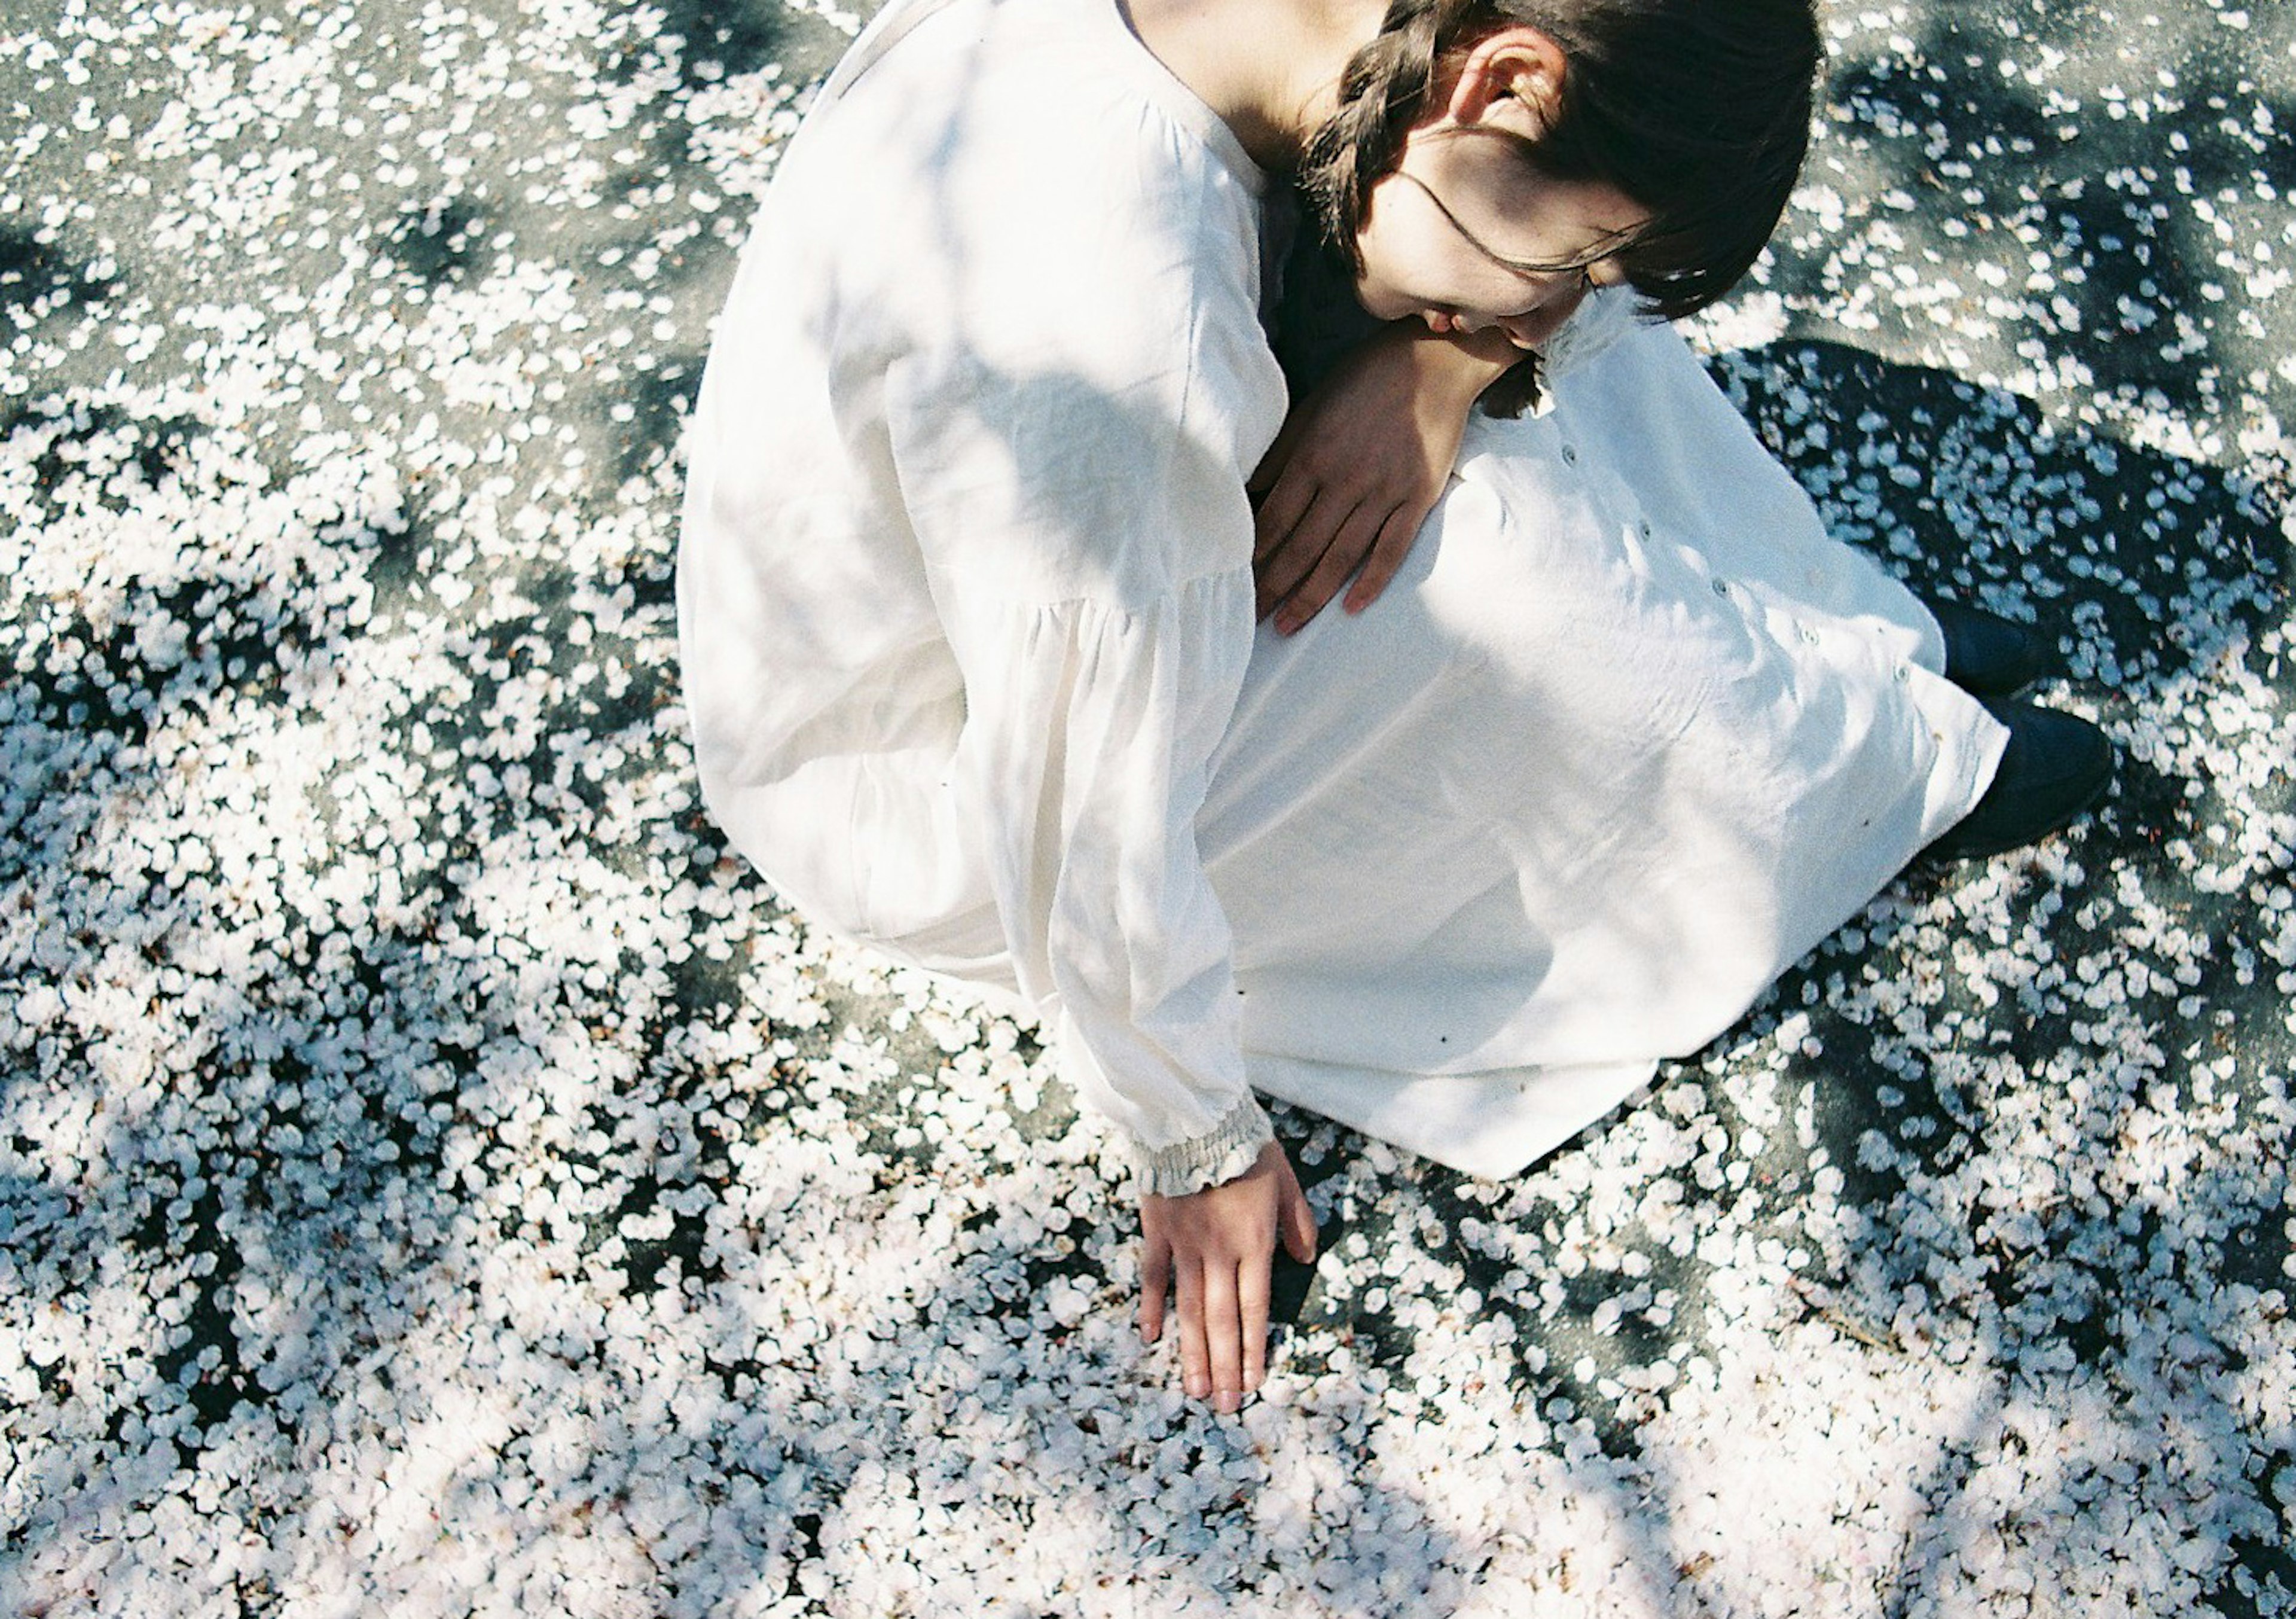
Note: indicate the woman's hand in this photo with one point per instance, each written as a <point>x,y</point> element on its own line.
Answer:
<point>1214,1248</point>
<point>1359,463</point>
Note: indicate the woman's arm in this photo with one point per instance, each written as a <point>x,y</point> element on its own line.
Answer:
<point>1088,549</point>
<point>1359,464</point>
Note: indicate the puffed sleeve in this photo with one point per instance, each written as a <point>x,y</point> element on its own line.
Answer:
<point>1089,541</point>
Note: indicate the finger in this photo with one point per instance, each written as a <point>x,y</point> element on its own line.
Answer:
<point>1306,599</point>
<point>1196,1358</point>
<point>1252,1290</point>
<point>1299,1221</point>
<point>1155,1277</point>
<point>1387,554</point>
<point>1282,570</point>
<point>1223,1335</point>
<point>1270,470</point>
<point>1280,515</point>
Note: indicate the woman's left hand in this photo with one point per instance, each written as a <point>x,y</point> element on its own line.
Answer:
<point>1212,1250</point>
<point>1359,464</point>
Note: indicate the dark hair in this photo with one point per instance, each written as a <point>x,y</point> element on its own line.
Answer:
<point>1697,110</point>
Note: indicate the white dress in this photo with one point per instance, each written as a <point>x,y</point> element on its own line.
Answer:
<point>965,607</point>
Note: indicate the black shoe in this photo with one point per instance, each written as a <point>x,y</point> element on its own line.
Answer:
<point>1985,655</point>
<point>2055,766</point>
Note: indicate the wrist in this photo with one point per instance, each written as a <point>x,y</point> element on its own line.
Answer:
<point>1462,364</point>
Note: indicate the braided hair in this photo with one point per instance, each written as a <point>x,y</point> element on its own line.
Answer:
<point>1697,110</point>
<point>1380,93</point>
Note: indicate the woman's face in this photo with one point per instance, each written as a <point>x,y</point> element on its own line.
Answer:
<point>1466,233</point>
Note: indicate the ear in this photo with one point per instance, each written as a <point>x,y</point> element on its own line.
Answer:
<point>1511,79</point>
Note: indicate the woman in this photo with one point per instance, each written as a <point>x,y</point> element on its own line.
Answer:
<point>968,602</point>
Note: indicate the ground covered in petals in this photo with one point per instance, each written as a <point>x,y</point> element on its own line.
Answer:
<point>435,1178</point>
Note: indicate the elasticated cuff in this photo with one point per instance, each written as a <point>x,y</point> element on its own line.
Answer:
<point>1225,1152</point>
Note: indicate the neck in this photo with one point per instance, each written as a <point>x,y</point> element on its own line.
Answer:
<point>1270,69</point>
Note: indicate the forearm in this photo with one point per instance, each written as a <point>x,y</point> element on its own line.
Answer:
<point>1456,367</point>
<point>1480,367</point>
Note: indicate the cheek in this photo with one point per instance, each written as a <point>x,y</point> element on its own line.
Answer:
<point>1405,269</point>
<point>1405,273</point>
<point>1380,287</point>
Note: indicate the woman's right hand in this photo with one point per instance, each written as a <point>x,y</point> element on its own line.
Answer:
<point>1360,462</point>
<point>1214,1248</point>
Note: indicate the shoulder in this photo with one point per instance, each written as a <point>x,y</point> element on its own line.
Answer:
<point>1033,138</point>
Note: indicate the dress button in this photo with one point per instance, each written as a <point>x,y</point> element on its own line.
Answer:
<point>1570,456</point>
<point>1721,588</point>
